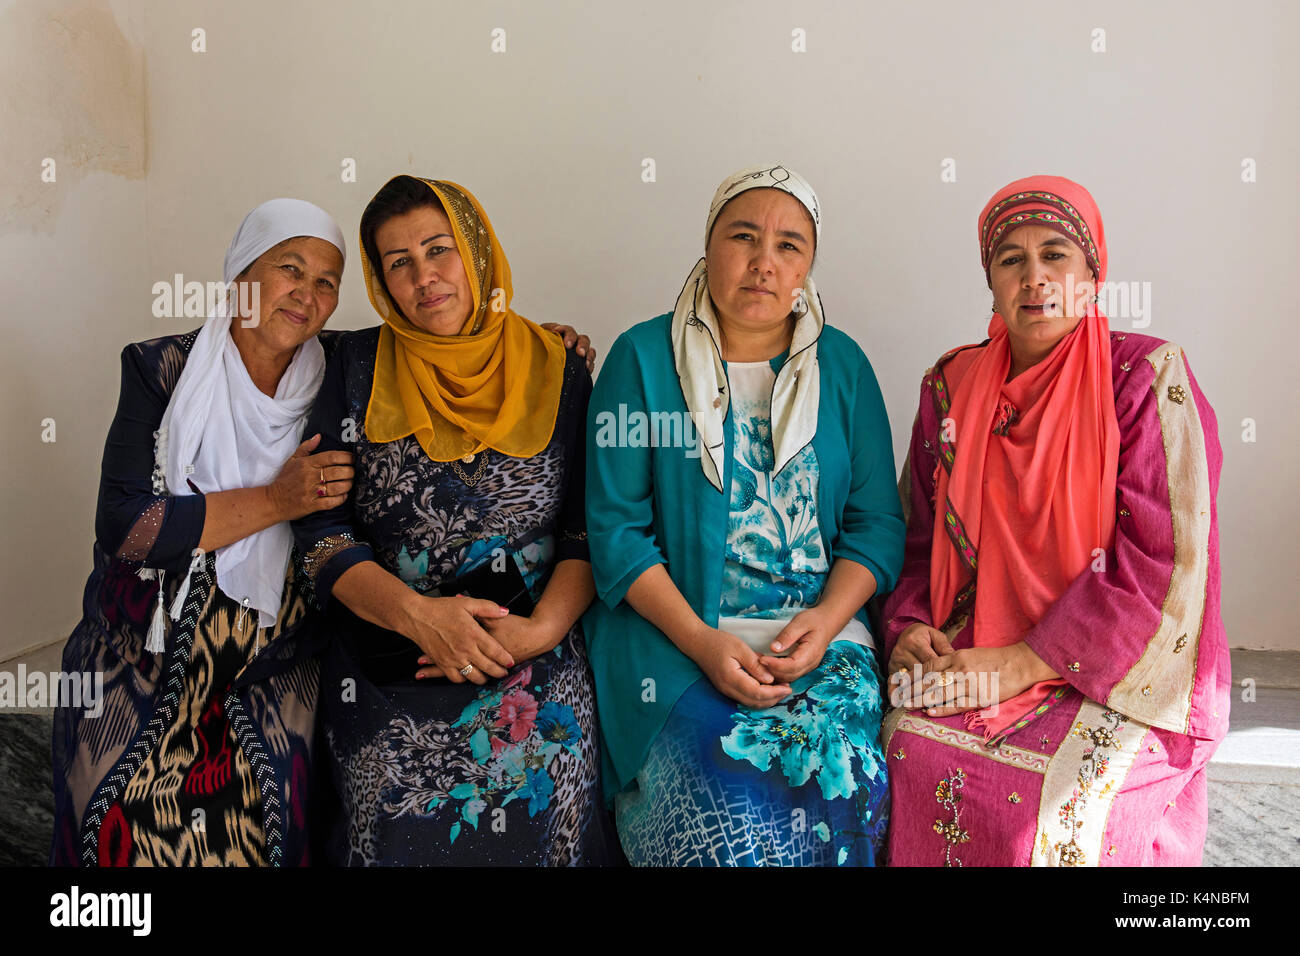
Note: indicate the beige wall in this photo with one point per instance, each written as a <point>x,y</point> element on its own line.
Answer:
<point>162,150</point>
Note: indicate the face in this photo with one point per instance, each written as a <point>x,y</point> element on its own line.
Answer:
<point>298,289</point>
<point>758,255</point>
<point>1041,285</point>
<point>422,269</point>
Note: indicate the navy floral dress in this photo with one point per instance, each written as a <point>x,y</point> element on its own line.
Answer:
<point>427,771</point>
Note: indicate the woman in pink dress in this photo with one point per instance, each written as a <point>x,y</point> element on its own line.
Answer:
<point>1055,637</point>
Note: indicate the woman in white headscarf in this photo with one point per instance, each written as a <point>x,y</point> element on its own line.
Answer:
<point>196,749</point>
<point>741,510</point>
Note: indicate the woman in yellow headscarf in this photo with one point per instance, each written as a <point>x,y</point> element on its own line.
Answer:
<point>457,702</point>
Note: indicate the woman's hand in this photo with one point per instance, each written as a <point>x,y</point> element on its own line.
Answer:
<point>807,635</point>
<point>918,644</point>
<point>447,629</point>
<point>522,637</point>
<point>735,669</point>
<point>571,335</point>
<point>1002,672</point>
<point>309,483</point>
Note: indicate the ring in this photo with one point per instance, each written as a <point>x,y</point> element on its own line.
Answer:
<point>464,671</point>
<point>947,680</point>
<point>322,477</point>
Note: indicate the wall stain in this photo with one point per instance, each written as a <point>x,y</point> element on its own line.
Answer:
<point>72,87</point>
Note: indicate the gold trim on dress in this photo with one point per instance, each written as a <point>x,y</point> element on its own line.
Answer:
<point>1158,688</point>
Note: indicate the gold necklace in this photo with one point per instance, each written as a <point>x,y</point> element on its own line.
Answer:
<point>470,480</point>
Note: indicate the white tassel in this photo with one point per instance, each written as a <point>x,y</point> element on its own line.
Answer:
<point>243,610</point>
<point>146,574</point>
<point>157,629</point>
<point>184,591</point>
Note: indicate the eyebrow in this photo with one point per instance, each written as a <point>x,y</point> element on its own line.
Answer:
<point>1054,241</point>
<point>788,233</point>
<point>327,272</point>
<point>425,242</point>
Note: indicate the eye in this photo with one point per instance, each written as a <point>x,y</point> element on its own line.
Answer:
<point>790,245</point>
<point>397,263</point>
<point>1010,260</point>
<point>290,268</point>
<point>743,236</point>
<point>437,250</point>
<point>1054,255</point>
<point>326,285</point>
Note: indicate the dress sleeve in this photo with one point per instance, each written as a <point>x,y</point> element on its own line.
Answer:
<point>910,601</point>
<point>620,484</point>
<point>328,540</point>
<point>871,529</point>
<point>132,522</point>
<point>1129,632</point>
<point>571,535</point>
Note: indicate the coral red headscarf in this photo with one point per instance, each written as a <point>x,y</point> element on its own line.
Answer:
<point>1031,491</point>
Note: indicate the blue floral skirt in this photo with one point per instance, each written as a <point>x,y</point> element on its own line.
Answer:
<point>801,783</point>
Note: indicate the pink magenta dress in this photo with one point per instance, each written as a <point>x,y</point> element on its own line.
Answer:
<point>1111,769</point>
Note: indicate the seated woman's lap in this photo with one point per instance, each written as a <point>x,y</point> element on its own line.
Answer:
<point>1078,785</point>
<point>435,772</point>
<point>800,783</point>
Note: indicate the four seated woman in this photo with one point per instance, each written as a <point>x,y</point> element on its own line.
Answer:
<point>1054,634</point>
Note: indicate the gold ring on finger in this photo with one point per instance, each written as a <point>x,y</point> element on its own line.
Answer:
<point>466,670</point>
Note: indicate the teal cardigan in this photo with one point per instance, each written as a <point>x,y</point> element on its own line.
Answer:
<point>653,505</point>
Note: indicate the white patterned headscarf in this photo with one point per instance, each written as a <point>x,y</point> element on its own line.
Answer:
<point>703,377</point>
<point>221,432</point>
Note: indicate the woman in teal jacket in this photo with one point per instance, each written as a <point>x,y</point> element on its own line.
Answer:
<point>741,510</point>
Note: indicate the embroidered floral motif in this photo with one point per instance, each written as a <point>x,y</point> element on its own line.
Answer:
<point>1177,394</point>
<point>948,793</point>
<point>1091,771</point>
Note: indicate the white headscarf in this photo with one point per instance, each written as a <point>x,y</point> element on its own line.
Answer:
<point>221,432</point>
<point>797,390</point>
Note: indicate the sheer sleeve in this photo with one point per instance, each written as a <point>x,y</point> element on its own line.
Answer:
<point>136,520</point>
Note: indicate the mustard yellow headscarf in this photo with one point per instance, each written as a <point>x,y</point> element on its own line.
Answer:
<point>495,385</point>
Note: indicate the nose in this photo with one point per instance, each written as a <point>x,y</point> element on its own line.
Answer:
<point>304,291</point>
<point>1035,273</point>
<point>763,260</point>
<point>426,274</point>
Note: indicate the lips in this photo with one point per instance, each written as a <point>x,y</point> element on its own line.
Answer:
<point>433,301</point>
<point>296,317</point>
<point>755,290</point>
